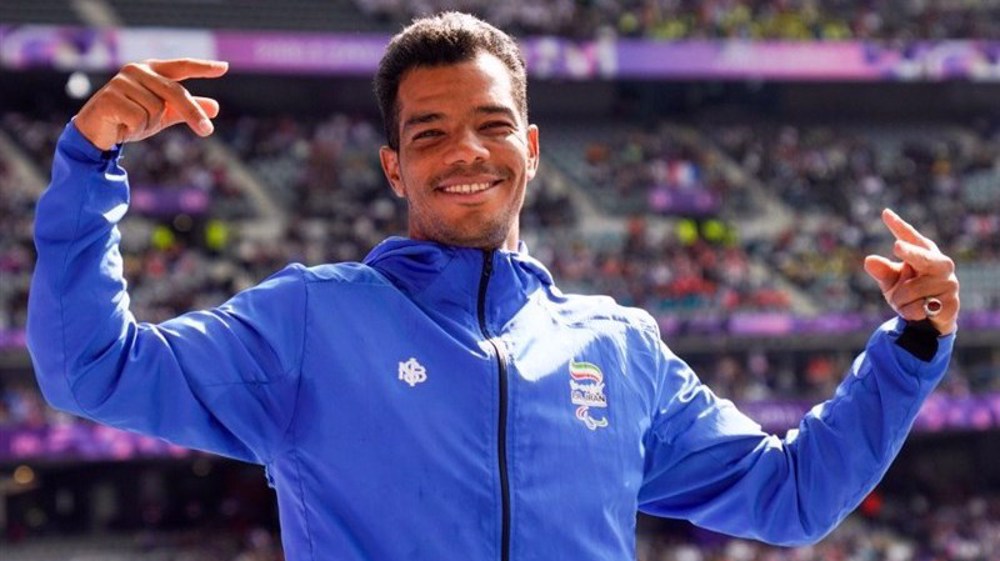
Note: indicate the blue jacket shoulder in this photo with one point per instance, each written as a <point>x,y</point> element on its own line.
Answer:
<point>347,272</point>
<point>586,309</point>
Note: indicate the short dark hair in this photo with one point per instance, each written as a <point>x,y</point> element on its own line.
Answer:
<point>443,39</point>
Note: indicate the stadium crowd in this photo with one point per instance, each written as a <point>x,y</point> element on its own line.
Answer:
<point>323,176</point>
<point>657,170</point>
<point>719,19</point>
<point>839,179</point>
<point>325,179</point>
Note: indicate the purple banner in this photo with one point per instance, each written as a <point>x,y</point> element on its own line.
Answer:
<point>301,53</point>
<point>12,339</point>
<point>62,48</point>
<point>750,323</point>
<point>743,60</point>
<point>940,413</point>
<point>551,57</point>
<point>168,201</point>
<point>827,60</point>
<point>980,320</point>
<point>547,57</point>
<point>767,324</point>
<point>81,440</point>
<point>666,199</point>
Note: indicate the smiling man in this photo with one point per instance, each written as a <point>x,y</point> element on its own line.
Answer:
<point>443,399</point>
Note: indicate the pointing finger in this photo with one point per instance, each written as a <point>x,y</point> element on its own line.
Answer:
<point>185,68</point>
<point>902,230</point>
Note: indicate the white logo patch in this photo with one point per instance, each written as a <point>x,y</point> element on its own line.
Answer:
<point>586,390</point>
<point>412,372</point>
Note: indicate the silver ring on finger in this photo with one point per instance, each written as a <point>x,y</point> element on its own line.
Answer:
<point>932,306</point>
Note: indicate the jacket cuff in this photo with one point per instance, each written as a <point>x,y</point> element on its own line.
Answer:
<point>920,339</point>
<point>82,150</point>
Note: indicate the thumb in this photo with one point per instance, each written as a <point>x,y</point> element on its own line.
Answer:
<point>885,272</point>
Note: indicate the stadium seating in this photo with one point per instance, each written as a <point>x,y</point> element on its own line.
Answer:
<point>297,15</point>
<point>58,12</point>
<point>683,19</point>
<point>720,19</point>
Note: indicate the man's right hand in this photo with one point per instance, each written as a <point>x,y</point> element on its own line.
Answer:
<point>145,98</point>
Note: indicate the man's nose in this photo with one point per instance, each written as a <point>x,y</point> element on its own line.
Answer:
<point>466,147</point>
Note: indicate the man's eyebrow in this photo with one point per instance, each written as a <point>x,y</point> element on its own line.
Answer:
<point>422,118</point>
<point>497,109</point>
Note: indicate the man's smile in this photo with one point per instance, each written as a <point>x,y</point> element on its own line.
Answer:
<point>468,186</point>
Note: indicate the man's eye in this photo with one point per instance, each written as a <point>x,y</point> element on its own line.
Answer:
<point>498,127</point>
<point>430,133</point>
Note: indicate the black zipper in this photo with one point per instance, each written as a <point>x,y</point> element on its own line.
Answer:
<point>484,281</point>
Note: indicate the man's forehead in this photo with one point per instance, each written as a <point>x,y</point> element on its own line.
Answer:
<point>476,84</point>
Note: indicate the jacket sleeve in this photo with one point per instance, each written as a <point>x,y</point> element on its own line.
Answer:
<point>222,380</point>
<point>708,463</point>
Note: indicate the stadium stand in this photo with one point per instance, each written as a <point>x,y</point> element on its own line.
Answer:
<point>649,19</point>
<point>324,177</point>
<point>839,179</point>
<point>57,12</point>
<point>296,15</point>
<point>721,19</point>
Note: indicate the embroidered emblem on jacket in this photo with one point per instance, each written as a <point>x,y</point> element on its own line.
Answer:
<point>586,385</point>
<point>412,372</point>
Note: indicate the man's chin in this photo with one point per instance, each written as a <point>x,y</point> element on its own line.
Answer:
<point>482,237</point>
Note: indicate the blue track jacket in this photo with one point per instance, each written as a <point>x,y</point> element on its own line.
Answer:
<point>436,403</point>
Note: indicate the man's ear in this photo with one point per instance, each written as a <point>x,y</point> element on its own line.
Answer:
<point>533,151</point>
<point>390,166</point>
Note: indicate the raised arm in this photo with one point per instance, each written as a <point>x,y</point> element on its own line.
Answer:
<point>222,380</point>
<point>709,463</point>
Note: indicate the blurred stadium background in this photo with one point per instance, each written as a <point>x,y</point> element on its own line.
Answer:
<point>720,163</point>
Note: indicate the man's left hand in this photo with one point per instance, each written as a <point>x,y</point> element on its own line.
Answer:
<point>923,272</point>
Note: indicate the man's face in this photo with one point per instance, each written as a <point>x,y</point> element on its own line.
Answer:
<point>465,156</point>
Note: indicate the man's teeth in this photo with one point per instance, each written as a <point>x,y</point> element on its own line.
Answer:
<point>467,188</point>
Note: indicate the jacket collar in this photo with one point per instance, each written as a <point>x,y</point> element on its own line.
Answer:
<point>444,279</point>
